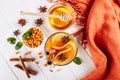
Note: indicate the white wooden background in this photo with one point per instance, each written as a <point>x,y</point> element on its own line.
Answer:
<point>9,15</point>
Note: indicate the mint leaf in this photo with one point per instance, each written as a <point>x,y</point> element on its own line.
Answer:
<point>18,45</point>
<point>11,40</point>
<point>77,60</point>
<point>30,32</point>
<point>27,34</point>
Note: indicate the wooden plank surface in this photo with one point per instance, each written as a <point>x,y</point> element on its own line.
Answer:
<point>5,70</point>
<point>9,15</point>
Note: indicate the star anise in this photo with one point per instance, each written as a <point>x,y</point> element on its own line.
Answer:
<point>42,9</point>
<point>39,21</point>
<point>62,57</point>
<point>65,39</point>
<point>22,22</point>
<point>16,33</point>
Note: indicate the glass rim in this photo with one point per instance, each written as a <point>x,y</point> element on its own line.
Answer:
<point>74,42</point>
<point>68,6</point>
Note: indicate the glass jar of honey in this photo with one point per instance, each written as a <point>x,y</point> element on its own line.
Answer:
<point>61,9</point>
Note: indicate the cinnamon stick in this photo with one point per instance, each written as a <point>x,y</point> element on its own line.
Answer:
<point>24,59</point>
<point>24,67</point>
<point>29,70</point>
<point>50,59</point>
<point>52,54</point>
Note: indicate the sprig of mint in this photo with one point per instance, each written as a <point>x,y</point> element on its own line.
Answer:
<point>77,60</point>
<point>27,34</point>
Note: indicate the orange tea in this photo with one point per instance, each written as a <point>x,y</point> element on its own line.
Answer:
<point>59,9</point>
<point>61,47</point>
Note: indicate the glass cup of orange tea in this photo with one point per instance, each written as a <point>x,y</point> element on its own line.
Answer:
<point>61,9</point>
<point>60,49</point>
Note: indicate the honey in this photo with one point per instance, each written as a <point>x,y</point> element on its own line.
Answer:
<point>59,9</point>
<point>65,51</point>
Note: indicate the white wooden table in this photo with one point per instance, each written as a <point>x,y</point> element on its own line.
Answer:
<point>9,15</point>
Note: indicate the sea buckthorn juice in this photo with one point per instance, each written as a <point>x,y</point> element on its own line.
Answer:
<point>64,45</point>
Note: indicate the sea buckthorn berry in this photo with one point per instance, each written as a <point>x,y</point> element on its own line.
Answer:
<point>36,38</point>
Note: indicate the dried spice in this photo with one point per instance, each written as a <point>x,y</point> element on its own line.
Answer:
<point>39,22</point>
<point>30,71</point>
<point>49,62</point>
<point>47,53</point>
<point>27,53</point>
<point>45,65</point>
<point>39,53</point>
<point>22,22</point>
<point>42,9</point>
<point>65,39</point>
<point>16,33</point>
<point>24,59</point>
<point>50,58</point>
<point>36,62</point>
<point>62,57</point>
<point>17,53</point>
<point>39,56</point>
<point>24,67</point>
